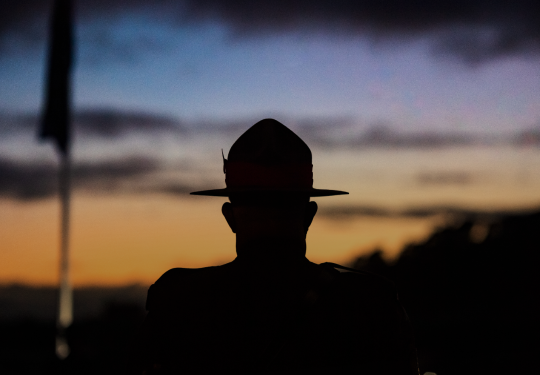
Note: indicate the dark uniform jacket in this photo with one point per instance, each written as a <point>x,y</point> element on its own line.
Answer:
<point>238,319</point>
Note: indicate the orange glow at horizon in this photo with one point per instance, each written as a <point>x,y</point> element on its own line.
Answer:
<point>135,239</point>
<point>128,238</point>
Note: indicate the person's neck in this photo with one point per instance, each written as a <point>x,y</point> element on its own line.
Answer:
<point>271,252</point>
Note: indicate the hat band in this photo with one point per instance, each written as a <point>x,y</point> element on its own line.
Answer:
<point>245,174</point>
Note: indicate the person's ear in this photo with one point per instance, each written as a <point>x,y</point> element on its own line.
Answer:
<point>311,210</point>
<point>227,211</point>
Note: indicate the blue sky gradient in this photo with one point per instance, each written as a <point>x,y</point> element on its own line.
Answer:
<point>205,71</point>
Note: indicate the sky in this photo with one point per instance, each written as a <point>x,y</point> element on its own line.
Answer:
<point>412,106</point>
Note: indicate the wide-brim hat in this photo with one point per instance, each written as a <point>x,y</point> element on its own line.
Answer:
<point>269,158</point>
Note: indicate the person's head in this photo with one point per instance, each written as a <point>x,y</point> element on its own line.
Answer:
<point>269,178</point>
<point>271,224</point>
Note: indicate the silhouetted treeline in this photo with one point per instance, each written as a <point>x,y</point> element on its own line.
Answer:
<point>106,321</point>
<point>19,301</point>
<point>471,292</point>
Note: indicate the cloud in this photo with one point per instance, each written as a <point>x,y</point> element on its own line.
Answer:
<point>94,124</point>
<point>31,181</point>
<point>347,212</point>
<point>22,23</point>
<point>529,137</point>
<point>347,134</point>
<point>99,123</point>
<point>445,178</point>
<point>27,182</point>
<point>110,174</point>
<point>116,123</point>
<point>110,123</point>
<point>475,29</point>
<point>136,175</point>
<point>351,211</point>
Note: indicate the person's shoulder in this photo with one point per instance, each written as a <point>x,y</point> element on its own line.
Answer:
<point>185,282</point>
<point>359,281</point>
<point>177,275</point>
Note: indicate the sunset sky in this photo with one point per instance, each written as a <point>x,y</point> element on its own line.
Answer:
<point>413,111</point>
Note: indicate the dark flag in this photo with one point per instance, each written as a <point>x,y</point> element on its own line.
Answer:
<point>56,120</point>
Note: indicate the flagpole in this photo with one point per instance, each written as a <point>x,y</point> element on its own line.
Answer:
<point>65,300</point>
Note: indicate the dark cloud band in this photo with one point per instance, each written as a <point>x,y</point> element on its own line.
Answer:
<point>100,123</point>
<point>113,123</point>
<point>34,181</point>
<point>452,211</point>
<point>477,29</point>
<point>31,181</point>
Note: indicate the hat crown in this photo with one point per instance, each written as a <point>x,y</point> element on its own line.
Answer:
<point>269,142</point>
<point>269,158</point>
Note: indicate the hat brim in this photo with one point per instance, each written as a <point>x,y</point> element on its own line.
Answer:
<point>232,191</point>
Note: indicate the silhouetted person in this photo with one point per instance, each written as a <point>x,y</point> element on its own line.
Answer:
<point>271,310</point>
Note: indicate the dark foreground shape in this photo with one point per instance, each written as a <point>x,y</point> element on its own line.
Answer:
<point>471,292</point>
<point>241,320</point>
